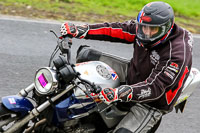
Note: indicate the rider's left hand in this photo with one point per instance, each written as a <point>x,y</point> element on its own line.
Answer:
<point>109,95</point>
<point>122,93</point>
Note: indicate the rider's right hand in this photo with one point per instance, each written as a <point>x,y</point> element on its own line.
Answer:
<point>68,29</point>
<point>71,30</point>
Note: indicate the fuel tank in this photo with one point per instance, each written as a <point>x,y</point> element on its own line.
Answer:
<point>99,73</point>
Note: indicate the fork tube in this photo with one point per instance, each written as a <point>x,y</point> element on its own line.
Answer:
<point>36,111</point>
<point>24,92</point>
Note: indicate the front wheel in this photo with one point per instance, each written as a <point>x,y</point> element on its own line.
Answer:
<point>7,119</point>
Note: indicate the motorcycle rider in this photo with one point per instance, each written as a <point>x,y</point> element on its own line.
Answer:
<point>155,75</point>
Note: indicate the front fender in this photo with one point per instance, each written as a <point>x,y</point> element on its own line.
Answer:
<point>17,104</point>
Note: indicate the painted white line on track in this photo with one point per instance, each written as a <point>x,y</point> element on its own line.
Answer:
<point>35,20</point>
<point>196,36</point>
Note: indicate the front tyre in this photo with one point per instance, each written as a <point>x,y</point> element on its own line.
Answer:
<point>7,119</point>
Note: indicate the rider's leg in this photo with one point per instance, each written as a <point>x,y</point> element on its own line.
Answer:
<point>140,119</point>
<point>120,65</point>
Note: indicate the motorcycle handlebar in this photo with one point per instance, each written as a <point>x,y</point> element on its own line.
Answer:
<point>64,44</point>
<point>94,88</point>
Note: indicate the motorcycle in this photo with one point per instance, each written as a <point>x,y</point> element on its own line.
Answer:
<point>64,97</point>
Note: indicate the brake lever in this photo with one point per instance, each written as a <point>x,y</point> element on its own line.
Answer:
<point>95,88</point>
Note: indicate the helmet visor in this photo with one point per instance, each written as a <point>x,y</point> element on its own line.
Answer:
<point>147,32</point>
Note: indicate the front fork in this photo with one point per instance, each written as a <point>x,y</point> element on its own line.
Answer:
<point>25,92</point>
<point>37,110</point>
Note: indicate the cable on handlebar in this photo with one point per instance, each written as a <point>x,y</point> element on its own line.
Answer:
<point>87,93</point>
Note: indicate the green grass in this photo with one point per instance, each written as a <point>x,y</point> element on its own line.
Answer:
<point>188,8</point>
<point>186,11</point>
<point>38,4</point>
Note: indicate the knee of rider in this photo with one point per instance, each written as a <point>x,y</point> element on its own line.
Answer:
<point>122,130</point>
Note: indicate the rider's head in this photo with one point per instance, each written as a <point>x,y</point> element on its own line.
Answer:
<point>154,23</point>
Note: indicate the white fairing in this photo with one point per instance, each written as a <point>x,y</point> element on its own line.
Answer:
<point>97,72</point>
<point>190,85</point>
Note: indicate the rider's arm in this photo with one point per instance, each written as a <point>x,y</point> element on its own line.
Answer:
<point>114,32</point>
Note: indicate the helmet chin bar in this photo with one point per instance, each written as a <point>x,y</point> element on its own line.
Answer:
<point>147,44</point>
<point>151,44</point>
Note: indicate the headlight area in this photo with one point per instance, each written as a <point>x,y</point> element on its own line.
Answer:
<point>46,81</point>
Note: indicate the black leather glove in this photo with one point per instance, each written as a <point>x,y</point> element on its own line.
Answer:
<point>122,93</point>
<point>72,30</point>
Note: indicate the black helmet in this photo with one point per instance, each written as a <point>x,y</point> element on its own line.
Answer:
<point>154,23</point>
